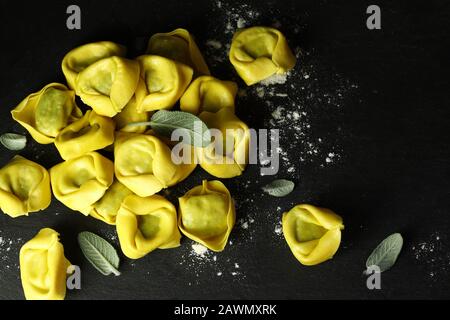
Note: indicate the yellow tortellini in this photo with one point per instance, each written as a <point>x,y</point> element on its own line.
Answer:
<point>312,233</point>
<point>185,164</point>
<point>146,224</point>
<point>178,45</point>
<point>24,187</point>
<point>216,159</point>
<point>130,114</point>
<point>258,53</point>
<point>143,163</point>
<point>108,85</point>
<point>80,182</point>
<point>45,113</point>
<point>207,93</point>
<point>43,267</point>
<point>82,57</point>
<point>90,133</point>
<point>207,215</point>
<point>108,206</point>
<point>162,83</point>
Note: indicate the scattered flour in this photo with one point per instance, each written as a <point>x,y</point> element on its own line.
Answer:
<point>200,260</point>
<point>275,79</point>
<point>9,251</point>
<point>433,255</point>
<point>199,250</point>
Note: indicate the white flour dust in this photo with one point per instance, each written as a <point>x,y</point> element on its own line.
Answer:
<point>433,255</point>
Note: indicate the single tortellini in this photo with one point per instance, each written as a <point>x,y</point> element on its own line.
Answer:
<point>80,182</point>
<point>143,163</point>
<point>108,206</point>
<point>258,53</point>
<point>45,113</point>
<point>178,45</point>
<point>43,267</point>
<point>82,57</point>
<point>90,133</point>
<point>108,85</point>
<point>312,233</point>
<point>130,114</point>
<point>162,82</point>
<point>216,159</point>
<point>24,187</point>
<point>208,94</point>
<point>207,215</point>
<point>146,224</point>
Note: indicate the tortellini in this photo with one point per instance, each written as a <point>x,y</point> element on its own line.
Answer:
<point>208,94</point>
<point>129,115</point>
<point>45,113</point>
<point>82,57</point>
<point>108,206</point>
<point>80,182</point>
<point>258,53</point>
<point>216,159</point>
<point>178,45</point>
<point>312,233</point>
<point>108,85</point>
<point>143,163</point>
<point>146,224</point>
<point>90,133</point>
<point>43,267</point>
<point>162,83</point>
<point>207,215</point>
<point>24,187</point>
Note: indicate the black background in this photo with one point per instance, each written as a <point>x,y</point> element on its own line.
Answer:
<point>392,134</point>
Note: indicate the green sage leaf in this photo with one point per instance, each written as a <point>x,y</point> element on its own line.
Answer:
<point>279,188</point>
<point>385,255</point>
<point>13,141</point>
<point>99,253</point>
<point>164,123</point>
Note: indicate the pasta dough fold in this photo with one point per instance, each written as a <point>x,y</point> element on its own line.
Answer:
<point>146,224</point>
<point>45,113</point>
<point>108,85</point>
<point>207,215</point>
<point>24,187</point>
<point>216,159</point>
<point>312,233</point>
<point>108,206</point>
<point>178,45</point>
<point>43,267</point>
<point>80,182</point>
<point>90,133</point>
<point>82,57</point>
<point>207,93</point>
<point>162,82</point>
<point>258,53</point>
<point>143,163</point>
<point>130,114</point>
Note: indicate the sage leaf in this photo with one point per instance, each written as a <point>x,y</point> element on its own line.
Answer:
<point>13,141</point>
<point>279,188</point>
<point>99,253</point>
<point>165,122</point>
<point>385,255</point>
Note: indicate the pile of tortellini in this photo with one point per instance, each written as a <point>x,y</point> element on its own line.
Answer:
<point>123,192</point>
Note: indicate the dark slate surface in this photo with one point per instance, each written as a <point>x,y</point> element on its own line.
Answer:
<point>377,99</point>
